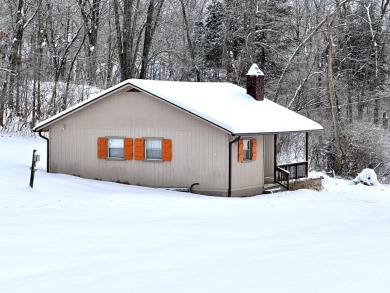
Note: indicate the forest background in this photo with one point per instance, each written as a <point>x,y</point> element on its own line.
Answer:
<point>325,59</point>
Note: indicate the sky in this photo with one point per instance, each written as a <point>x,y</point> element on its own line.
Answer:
<point>69,234</point>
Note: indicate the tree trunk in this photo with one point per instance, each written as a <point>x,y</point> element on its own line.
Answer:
<point>2,101</point>
<point>108,81</point>
<point>152,19</point>
<point>127,39</point>
<point>91,17</point>
<point>385,120</point>
<point>64,100</point>
<point>250,33</point>
<point>15,57</point>
<point>376,111</point>
<point>190,45</point>
<point>332,95</point>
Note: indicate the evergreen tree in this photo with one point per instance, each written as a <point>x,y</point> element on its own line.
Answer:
<point>214,38</point>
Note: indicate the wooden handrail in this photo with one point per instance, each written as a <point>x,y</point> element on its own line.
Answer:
<point>286,172</point>
<point>282,177</point>
<point>297,170</point>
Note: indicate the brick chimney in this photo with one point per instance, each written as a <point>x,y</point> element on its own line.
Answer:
<point>255,83</point>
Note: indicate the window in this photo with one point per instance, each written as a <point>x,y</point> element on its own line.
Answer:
<point>115,148</point>
<point>247,149</point>
<point>153,148</point>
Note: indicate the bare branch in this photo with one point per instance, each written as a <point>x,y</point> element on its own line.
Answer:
<point>308,37</point>
<point>8,70</point>
<point>32,17</point>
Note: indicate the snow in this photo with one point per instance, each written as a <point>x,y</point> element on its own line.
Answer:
<point>367,177</point>
<point>255,70</point>
<point>223,104</point>
<point>70,234</point>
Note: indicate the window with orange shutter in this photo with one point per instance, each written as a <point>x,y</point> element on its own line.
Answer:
<point>247,149</point>
<point>153,149</point>
<point>115,148</point>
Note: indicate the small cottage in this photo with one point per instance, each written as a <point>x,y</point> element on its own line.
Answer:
<point>214,138</point>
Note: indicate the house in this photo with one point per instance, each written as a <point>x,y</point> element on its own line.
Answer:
<point>216,138</point>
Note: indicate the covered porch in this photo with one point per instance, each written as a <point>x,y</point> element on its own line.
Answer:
<point>286,161</point>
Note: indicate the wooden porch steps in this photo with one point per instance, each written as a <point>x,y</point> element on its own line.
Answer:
<point>270,188</point>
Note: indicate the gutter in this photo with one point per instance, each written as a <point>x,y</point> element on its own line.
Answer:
<point>230,165</point>
<point>47,151</point>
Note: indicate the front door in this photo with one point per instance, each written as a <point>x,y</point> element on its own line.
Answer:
<point>269,153</point>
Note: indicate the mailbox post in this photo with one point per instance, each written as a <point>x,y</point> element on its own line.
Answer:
<point>35,159</point>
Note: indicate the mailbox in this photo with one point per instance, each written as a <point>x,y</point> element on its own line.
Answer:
<point>37,158</point>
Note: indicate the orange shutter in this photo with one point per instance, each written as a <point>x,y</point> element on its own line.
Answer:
<point>254,149</point>
<point>128,148</point>
<point>102,147</point>
<point>240,150</point>
<point>166,146</point>
<point>138,149</point>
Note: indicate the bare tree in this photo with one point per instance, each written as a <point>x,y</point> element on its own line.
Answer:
<point>152,20</point>
<point>128,35</point>
<point>61,40</point>
<point>332,94</point>
<point>90,12</point>
<point>191,48</point>
<point>15,53</point>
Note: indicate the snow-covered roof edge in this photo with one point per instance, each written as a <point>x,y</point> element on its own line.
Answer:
<point>43,126</point>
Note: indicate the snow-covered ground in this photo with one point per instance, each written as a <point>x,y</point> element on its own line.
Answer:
<point>74,235</point>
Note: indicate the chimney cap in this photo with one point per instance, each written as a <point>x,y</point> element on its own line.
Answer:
<point>255,70</point>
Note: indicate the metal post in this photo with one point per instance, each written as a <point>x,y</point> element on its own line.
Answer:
<point>307,146</point>
<point>275,153</point>
<point>32,169</point>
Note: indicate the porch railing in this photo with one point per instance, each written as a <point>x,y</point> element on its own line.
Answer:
<point>282,177</point>
<point>297,170</point>
<point>286,172</point>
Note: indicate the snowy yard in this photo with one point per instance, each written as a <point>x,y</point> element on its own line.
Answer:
<point>74,235</point>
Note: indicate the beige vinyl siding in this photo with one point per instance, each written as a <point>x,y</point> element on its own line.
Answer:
<point>248,176</point>
<point>199,149</point>
<point>269,155</point>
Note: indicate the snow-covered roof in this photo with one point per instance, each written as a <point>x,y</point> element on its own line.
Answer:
<point>225,105</point>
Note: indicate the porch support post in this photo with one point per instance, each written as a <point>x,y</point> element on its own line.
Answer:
<point>275,152</point>
<point>307,146</point>
<point>307,153</point>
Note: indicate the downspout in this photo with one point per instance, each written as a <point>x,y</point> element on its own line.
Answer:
<point>230,165</point>
<point>192,185</point>
<point>47,151</point>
